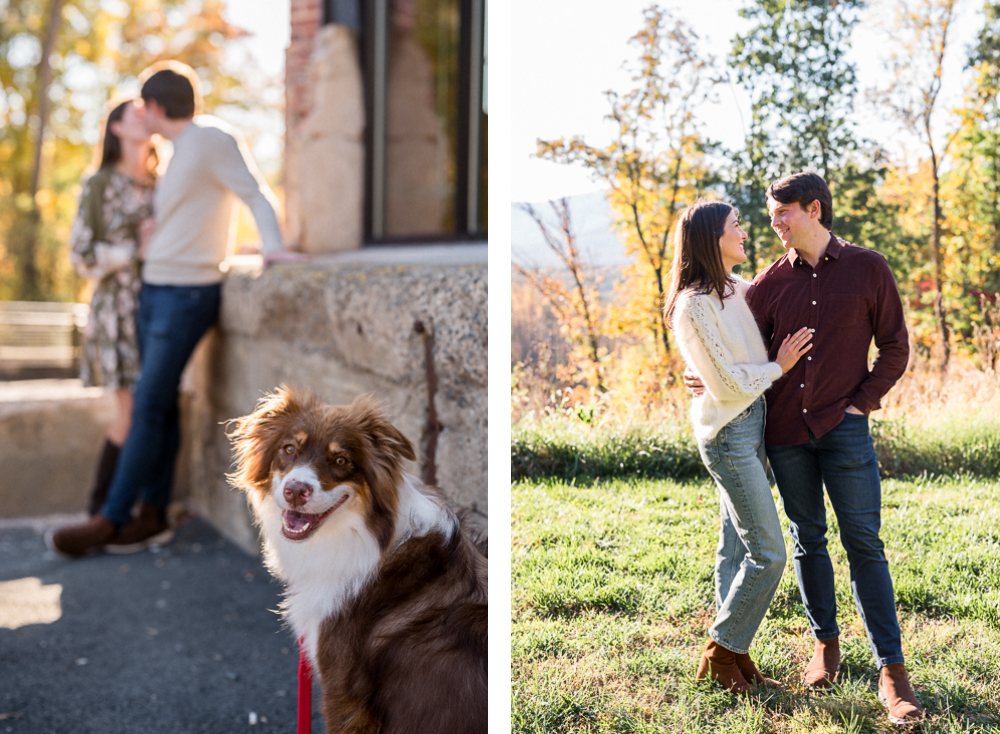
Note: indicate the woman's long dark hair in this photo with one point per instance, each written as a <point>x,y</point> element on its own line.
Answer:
<point>111,144</point>
<point>697,256</point>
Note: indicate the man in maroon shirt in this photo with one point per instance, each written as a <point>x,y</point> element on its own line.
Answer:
<point>817,421</point>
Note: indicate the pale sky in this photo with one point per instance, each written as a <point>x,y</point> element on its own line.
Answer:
<point>268,21</point>
<point>566,53</point>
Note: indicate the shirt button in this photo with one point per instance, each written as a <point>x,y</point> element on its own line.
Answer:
<point>814,303</point>
<point>804,410</point>
<point>809,358</point>
<point>802,385</point>
<point>814,275</point>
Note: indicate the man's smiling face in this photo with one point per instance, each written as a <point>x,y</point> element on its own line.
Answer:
<point>790,221</point>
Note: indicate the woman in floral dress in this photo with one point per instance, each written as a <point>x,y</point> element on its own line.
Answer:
<point>106,246</point>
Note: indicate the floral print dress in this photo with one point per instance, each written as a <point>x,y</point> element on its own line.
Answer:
<point>104,246</point>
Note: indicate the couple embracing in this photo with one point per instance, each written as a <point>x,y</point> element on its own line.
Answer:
<point>155,248</point>
<point>791,346</point>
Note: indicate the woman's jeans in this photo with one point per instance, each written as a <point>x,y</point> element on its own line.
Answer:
<point>171,322</point>
<point>844,460</point>
<point>751,553</point>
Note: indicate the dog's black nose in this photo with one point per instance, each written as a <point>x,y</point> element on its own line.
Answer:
<point>297,493</point>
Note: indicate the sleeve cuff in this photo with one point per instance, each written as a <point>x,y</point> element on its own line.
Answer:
<point>112,258</point>
<point>865,406</point>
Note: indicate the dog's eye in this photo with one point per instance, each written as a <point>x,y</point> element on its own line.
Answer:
<point>340,461</point>
<point>289,449</point>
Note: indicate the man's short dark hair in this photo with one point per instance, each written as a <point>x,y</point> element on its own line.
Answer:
<point>172,85</point>
<point>804,189</point>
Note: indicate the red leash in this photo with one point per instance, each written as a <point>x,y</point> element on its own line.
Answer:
<point>305,691</point>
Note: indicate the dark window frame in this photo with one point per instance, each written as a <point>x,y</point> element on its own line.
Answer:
<point>370,20</point>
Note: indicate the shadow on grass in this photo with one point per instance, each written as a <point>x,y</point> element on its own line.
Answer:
<point>552,605</point>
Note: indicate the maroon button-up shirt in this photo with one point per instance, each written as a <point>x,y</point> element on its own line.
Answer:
<point>849,298</point>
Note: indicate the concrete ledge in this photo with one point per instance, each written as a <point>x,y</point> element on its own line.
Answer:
<point>342,325</point>
<point>51,432</point>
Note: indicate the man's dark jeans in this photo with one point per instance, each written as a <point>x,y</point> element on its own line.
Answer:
<point>844,460</point>
<point>171,322</point>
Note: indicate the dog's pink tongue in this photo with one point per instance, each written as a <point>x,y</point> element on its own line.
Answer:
<point>296,520</point>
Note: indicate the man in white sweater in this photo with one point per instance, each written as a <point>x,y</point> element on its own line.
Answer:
<point>193,209</point>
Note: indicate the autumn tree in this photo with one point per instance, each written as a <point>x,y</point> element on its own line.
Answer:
<point>922,27</point>
<point>60,60</point>
<point>793,63</point>
<point>978,141</point>
<point>655,165</point>
<point>575,302</point>
<point>970,195</point>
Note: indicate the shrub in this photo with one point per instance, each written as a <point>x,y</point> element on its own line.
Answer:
<point>568,449</point>
<point>588,454</point>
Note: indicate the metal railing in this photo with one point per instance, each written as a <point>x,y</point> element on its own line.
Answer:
<point>41,339</point>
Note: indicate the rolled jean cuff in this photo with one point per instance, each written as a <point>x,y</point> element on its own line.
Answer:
<point>731,648</point>
<point>882,662</point>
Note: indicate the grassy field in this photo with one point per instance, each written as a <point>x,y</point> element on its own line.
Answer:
<point>612,597</point>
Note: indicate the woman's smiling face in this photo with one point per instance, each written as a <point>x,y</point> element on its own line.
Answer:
<point>731,243</point>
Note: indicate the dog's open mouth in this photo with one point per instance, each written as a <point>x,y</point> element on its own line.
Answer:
<point>300,525</point>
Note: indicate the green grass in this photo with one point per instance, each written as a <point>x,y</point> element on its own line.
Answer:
<point>612,595</point>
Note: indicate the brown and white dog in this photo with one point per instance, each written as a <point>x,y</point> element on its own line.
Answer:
<point>387,592</point>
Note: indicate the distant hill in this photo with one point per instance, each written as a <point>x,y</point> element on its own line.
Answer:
<point>590,217</point>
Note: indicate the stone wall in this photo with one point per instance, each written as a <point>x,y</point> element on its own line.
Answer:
<point>51,433</point>
<point>341,326</point>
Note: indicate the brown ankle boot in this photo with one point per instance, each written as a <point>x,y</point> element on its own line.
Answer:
<point>718,663</point>
<point>78,540</point>
<point>896,694</point>
<point>750,672</point>
<point>822,669</point>
<point>105,473</point>
<point>148,527</point>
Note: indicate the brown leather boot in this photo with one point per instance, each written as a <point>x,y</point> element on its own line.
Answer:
<point>750,672</point>
<point>896,694</point>
<point>78,540</point>
<point>822,669</point>
<point>148,527</point>
<point>718,663</point>
<point>105,473</point>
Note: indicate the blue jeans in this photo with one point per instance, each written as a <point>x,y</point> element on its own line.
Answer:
<point>844,460</point>
<point>171,322</point>
<point>751,553</point>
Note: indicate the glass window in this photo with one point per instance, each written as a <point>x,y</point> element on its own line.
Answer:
<point>421,135</point>
<point>425,64</point>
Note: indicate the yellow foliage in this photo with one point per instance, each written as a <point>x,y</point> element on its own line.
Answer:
<point>654,167</point>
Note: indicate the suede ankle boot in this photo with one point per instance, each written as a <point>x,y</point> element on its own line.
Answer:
<point>896,694</point>
<point>79,540</point>
<point>105,473</point>
<point>822,669</point>
<point>718,663</point>
<point>750,672</point>
<point>149,527</point>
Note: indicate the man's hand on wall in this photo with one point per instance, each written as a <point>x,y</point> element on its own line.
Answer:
<point>284,256</point>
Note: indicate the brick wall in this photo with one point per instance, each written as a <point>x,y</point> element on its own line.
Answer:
<point>306,17</point>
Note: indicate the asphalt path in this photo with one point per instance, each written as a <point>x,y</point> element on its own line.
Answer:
<point>180,640</point>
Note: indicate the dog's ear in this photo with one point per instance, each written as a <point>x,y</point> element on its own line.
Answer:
<point>385,436</point>
<point>256,435</point>
<point>384,450</point>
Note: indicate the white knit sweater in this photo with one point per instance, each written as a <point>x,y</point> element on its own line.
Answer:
<point>724,346</point>
<point>194,205</point>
